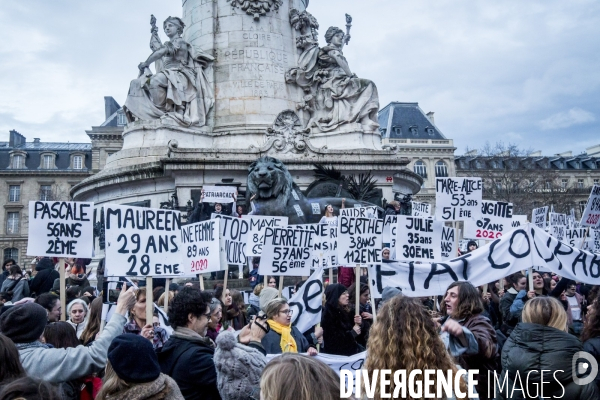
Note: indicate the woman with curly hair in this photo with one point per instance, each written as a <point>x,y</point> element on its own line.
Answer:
<point>406,338</point>
<point>591,334</point>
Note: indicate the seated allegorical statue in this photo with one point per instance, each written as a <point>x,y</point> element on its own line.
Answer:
<point>179,90</point>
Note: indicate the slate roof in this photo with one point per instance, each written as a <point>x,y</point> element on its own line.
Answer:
<point>579,162</point>
<point>407,121</point>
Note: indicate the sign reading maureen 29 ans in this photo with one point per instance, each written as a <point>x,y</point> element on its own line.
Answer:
<point>458,199</point>
<point>359,240</point>
<point>200,250</point>
<point>287,251</point>
<point>60,229</point>
<point>142,241</point>
<point>496,218</point>
<point>591,214</point>
<point>418,239</point>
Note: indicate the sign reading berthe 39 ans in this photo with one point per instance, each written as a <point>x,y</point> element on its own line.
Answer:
<point>458,199</point>
<point>142,241</point>
<point>60,229</point>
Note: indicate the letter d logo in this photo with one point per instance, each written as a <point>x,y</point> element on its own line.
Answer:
<point>585,368</point>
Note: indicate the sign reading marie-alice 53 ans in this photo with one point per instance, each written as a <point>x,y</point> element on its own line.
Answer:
<point>142,241</point>
<point>60,229</point>
<point>458,199</point>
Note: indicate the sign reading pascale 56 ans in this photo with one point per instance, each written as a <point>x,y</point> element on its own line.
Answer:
<point>458,199</point>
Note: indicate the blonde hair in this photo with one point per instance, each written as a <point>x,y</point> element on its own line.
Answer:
<point>545,311</point>
<point>258,288</point>
<point>312,379</point>
<point>111,383</point>
<point>405,337</point>
<point>273,306</point>
<point>161,299</point>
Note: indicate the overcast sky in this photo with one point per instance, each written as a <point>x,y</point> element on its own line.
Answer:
<point>526,72</point>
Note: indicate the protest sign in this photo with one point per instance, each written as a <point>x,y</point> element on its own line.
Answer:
<point>200,247</point>
<point>418,239</point>
<point>591,214</point>
<point>307,302</point>
<point>219,194</point>
<point>449,243</point>
<point>288,251</point>
<point>326,245</point>
<point>359,211</point>
<point>234,232</point>
<point>518,221</point>
<point>513,252</point>
<point>60,229</point>
<point>575,237</point>
<point>557,225</point>
<point>142,241</point>
<point>390,229</point>
<point>594,240</point>
<point>496,218</point>
<point>420,209</point>
<point>359,240</point>
<point>256,235</point>
<point>458,199</point>
<point>538,217</point>
<point>317,252</point>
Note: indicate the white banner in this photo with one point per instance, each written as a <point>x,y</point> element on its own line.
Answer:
<point>496,218</point>
<point>359,212</point>
<point>359,240</point>
<point>142,241</point>
<point>518,221</point>
<point>256,235</point>
<point>458,199</point>
<point>219,194</point>
<point>418,239</point>
<point>288,251</point>
<point>234,232</point>
<point>515,251</point>
<point>307,302</point>
<point>200,247</point>
<point>421,209</point>
<point>538,217</point>
<point>60,229</point>
<point>449,243</point>
<point>591,215</point>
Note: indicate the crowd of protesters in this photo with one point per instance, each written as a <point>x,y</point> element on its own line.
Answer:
<point>216,345</point>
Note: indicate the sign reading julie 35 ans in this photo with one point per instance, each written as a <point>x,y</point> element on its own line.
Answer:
<point>60,229</point>
<point>142,241</point>
<point>458,199</point>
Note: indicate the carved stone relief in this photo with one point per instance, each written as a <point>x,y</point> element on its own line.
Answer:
<point>257,8</point>
<point>287,134</point>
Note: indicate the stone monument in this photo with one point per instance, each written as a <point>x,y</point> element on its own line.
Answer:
<point>235,81</point>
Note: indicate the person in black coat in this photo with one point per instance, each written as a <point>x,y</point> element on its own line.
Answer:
<point>44,279</point>
<point>591,335</point>
<point>340,327</point>
<point>541,342</point>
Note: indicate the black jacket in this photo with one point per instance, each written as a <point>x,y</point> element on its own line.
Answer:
<point>42,282</point>
<point>592,346</point>
<point>533,347</point>
<point>338,336</point>
<point>3,276</point>
<point>190,363</point>
<point>271,342</point>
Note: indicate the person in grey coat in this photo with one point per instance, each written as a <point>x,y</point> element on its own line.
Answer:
<point>24,324</point>
<point>15,284</point>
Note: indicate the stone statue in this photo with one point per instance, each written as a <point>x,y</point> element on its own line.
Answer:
<point>179,90</point>
<point>334,95</point>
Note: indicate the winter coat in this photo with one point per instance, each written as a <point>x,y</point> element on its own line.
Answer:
<point>533,347</point>
<point>390,210</point>
<point>190,363</point>
<point>592,346</point>
<point>365,326</point>
<point>485,359</point>
<point>20,290</point>
<point>338,336</point>
<point>3,276</point>
<point>508,320</point>
<point>79,328</point>
<point>271,342</point>
<point>345,276</point>
<point>163,388</point>
<point>60,365</point>
<point>43,280</point>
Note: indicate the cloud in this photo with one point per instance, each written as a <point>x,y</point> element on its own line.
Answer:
<point>565,119</point>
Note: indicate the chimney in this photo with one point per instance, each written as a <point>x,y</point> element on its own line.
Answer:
<point>15,139</point>
<point>110,106</point>
<point>430,116</point>
<point>537,153</point>
<point>36,141</point>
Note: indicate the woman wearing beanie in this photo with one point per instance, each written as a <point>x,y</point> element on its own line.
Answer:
<point>24,324</point>
<point>266,295</point>
<point>138,377</point>
<point>284,338</point>
<point>340,327</point>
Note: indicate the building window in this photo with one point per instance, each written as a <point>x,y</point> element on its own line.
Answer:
<point>548,185</point>
<point>45,192</point>
<point>18,161</point>
<point>414,130</point>
<point>14,193</point>
<point>77,162</point>
<point>121,121</point>
<point>47,161</point>
<point>564,183</point>
<point>441,170</point>
<point>582,205</point>
<point>397,130</point>
<point>579,183</point>
<point>12,223</point>
<point>11,253</point>
<point>596,181</point>
<point>420,168</point>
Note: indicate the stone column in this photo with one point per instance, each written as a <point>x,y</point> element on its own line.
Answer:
<point>253,50</point>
